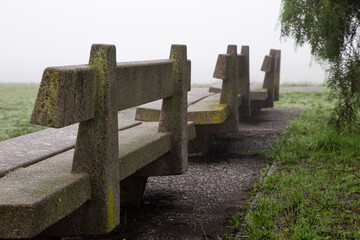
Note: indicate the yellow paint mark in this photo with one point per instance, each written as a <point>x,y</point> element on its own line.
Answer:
<point>111,223</point>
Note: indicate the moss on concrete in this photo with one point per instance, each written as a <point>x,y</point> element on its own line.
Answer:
<point>111,223</point>
<point>45,112</point>
<point>208,113</point>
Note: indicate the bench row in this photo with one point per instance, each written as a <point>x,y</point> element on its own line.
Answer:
<point>72,180</point>
<point>225,104</point>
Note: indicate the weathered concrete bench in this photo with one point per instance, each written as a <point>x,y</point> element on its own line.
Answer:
<point>68,181</point>
<point>215,112</point>
<point>265,95</point>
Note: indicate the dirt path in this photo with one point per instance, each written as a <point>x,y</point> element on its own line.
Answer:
<point>214,188</point>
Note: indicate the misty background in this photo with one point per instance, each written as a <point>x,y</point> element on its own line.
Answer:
<point>36,34</point>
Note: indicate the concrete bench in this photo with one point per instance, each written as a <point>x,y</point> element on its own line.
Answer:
<point>263,96</point>
<point>68,181</point>
<point>215,112</point>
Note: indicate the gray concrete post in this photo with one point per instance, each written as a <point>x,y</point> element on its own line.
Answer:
<point>277,75</point>
<point>229,91</point>
<point>97,149</point>
<point>173,116</point>
<point>269,81</point>
<point>244,82</point>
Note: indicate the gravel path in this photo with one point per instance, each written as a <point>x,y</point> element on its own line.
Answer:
<point>214,187</point>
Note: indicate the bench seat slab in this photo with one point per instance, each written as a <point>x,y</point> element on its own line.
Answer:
<point>31,148</point>
<point>26,150</point>
<point>215,88</point>
<point>208,111</point>
<point>35,197</point>
<point>257,92</point>
<point>203,108</point>
<point>143,145</point>
<point>140,146</point>
<point>150,112</point>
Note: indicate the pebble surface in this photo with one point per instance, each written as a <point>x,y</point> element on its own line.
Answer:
<point>214,187</point>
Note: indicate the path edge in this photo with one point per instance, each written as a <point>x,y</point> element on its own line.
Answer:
<point>256,198</point>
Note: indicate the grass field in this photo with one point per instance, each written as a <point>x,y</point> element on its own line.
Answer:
<point>315,191</point>
<point>16,103</point>
<point>305,100</point>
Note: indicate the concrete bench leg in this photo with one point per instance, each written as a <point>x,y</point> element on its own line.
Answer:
<point>256,106</point>
<point>200,144</point>
<point>132,191</point>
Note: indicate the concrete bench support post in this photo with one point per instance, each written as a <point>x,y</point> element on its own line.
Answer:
<point>277,74</point>
<point>244,82</point>
<point>269,81</point>
<point>229,92</point>
<point>173,118</point>
<point>96,150</point>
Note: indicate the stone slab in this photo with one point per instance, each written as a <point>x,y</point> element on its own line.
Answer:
<point>215,88</point>
<point>256,91</point>
<point>208,111</point>
<point>143,82</point>
<point>196,94</point>
<point>66,96</point>
<point>34,147</point>
<point>35,197</point>
<point>150,112</point>
<point>31,148</point>
<point>142,145</point>
<point>266,66</point>
<point>259,94</point>
<point>222,66</point>
<point>139,146</point>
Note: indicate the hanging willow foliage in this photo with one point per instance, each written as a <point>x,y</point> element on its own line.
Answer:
<point>331,28</point>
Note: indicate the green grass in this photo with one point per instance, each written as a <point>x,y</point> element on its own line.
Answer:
<point>201,85</point>
<point>315,191</point>
<point>305,100</point>
<point>302,85</point>
<point>16,104</point>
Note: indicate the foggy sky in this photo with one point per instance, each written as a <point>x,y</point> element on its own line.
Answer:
<point>35,34</point>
